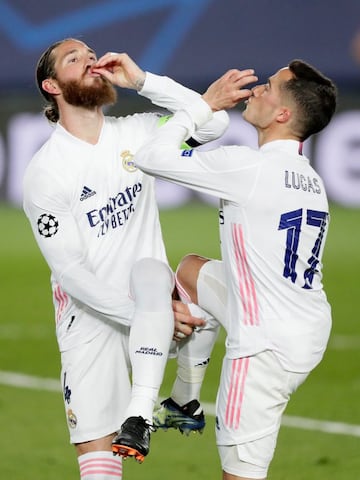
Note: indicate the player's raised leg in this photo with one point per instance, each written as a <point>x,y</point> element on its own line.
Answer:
<point>151,332</point>
<point>199,282</point>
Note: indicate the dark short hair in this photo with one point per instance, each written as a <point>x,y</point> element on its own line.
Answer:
<point>315,96</point>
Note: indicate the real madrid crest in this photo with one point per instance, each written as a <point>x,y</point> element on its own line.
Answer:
<point>71,418</point>
<point>128,161</point>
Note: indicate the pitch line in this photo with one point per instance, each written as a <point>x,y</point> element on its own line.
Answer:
<point>15,332</point>
<point>48,384</point>
<point>21,380</point>
<point>306,423</point>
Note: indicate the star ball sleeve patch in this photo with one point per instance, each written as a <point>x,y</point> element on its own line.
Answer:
<point>48,225</point>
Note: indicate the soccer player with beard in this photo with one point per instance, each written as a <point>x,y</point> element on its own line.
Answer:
<point>95,219</point>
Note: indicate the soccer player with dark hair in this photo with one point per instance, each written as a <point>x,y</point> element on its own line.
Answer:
<point>267,291</point>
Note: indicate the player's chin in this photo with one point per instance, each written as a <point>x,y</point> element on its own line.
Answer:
<point>247,112</point>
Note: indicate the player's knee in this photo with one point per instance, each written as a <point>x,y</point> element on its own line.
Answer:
<point>151,276</point>
<point>187,275</point>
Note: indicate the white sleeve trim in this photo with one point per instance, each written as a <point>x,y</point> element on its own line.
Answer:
<point>166,93</point>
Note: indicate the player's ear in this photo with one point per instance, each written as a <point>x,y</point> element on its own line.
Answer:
<point>284,115</point>
<point>50,86</point>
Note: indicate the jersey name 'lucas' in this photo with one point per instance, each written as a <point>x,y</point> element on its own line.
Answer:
<point>299,181</point>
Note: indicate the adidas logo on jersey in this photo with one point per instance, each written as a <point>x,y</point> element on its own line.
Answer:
<point>86,193</point>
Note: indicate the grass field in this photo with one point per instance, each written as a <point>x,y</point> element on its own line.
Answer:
<point>322,442</point>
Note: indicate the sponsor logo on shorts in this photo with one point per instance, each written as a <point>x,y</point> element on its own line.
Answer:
<point>149,351</point>
<point>70,323</point>
<point>66,390</point>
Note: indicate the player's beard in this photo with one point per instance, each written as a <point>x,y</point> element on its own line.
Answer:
<point>100,93</point>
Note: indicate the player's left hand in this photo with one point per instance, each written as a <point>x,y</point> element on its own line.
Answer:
<point>184,322</point>
<point>228,90</point>
<point>120,70</point>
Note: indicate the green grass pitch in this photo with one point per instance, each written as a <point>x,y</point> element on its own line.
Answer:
<point>34,442</point>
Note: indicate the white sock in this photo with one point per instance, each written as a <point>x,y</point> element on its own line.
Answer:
<point>193,359</point>
<point>100,466</point>
<point>149,344</point>
<point>151,333</point>
<point>194,354</point>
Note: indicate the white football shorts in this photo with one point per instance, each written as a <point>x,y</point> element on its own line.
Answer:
<point>96,384</point>
<point>252,397</point>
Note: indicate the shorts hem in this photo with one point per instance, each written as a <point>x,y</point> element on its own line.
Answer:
<point>93,436</point>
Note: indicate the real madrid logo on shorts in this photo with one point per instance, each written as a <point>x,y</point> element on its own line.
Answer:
<point>71,417</point>
<point>128,161</point>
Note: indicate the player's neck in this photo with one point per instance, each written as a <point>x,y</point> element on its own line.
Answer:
<point>269,135</point>
<point>83,123</point>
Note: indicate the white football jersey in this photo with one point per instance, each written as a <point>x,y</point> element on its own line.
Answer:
<point>94,214</point>
<point>274,218</point>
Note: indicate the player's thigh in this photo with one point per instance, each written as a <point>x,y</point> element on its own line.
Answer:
<point>234,468</point>
<point>96,384</point>
<point>212,290</point>
<point>252,396</point>
<point>102,444</point>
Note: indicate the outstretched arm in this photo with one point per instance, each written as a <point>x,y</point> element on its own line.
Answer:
<point>162,91</point>
<point>210,172</point>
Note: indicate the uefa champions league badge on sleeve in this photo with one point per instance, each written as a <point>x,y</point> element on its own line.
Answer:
<point>187,153</point>
<point>48,225</point>
<point>128,161</point>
